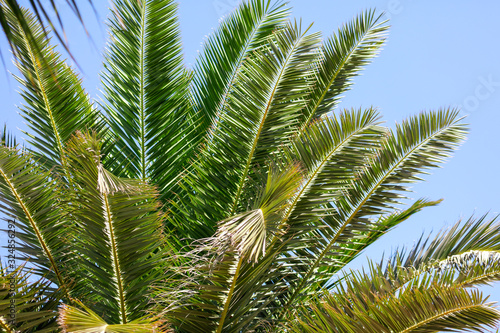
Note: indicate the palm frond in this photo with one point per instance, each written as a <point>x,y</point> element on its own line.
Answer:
<point>119,234</point>
<point>239,244</point>
<point>343,56</point>
<point>419,143</point>
<point>332,150</point>
<point>413,310</point>
<point>259,119</point>
<point>56,104</point>
<point>220,63</point>
<point>41,11</point>
<point>146,90</point>
<point>29,198</point>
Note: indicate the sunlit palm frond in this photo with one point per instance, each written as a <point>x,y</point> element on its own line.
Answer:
<point>81,319</point>
<point>418,144</point>
<point>220,63</point>
<point>261,113</point>
<point>343,56</point>
<point>56,105</point>
<point>431,309</point>
<point>332,151</point>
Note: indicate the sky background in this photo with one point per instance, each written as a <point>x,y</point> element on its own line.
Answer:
<point>438,54</point>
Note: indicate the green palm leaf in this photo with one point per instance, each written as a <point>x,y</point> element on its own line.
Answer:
<point>146,90</point>
<point>403,156</point>
<point>332,150</point>
<point>29,197</point>
<point>84,320</point>
<point>56,104</point>
<point>259,119</point>
<point>25,305</point>
<point>241,242</point>
<point>342,57</point>
<point>220,63</point>
<point>120,234</point>
<point>413,310</point>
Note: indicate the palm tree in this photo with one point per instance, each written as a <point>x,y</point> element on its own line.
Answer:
<point>227,198</point>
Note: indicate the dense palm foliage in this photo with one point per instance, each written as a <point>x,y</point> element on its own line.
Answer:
<point>229,197</point>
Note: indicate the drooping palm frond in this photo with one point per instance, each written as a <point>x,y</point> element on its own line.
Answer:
<point>24,305</point>
<point>29,198</point>
<point>220,63</point>
<point>466,254</point>
<point>413,310</point>
<point>376,190</point>
<point>146,93</point>
<point>56,104</point>
<point>120,234</point>
<point>342,57</point>
<point>446,266</point>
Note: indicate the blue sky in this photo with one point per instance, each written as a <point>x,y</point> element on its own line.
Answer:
<point>438,54</point>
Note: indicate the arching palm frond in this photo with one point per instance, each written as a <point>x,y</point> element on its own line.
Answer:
<point>56,104</point>
<point>426,290</point>
<point>260,117</point>
<point>30,196</point>
<point>225,51</point>
<point>342,56</point>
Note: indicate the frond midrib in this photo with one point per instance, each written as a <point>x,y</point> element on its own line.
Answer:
<point>142,110</point>
<point>108,218</point>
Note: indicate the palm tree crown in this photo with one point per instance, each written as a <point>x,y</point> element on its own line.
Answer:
<point>229,197</point>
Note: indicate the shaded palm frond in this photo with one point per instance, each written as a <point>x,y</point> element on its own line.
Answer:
<point>25,304</point>
<point>29,197</point>
<point>120,234</point>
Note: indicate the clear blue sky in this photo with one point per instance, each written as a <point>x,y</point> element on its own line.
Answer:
<point>438,54</point>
